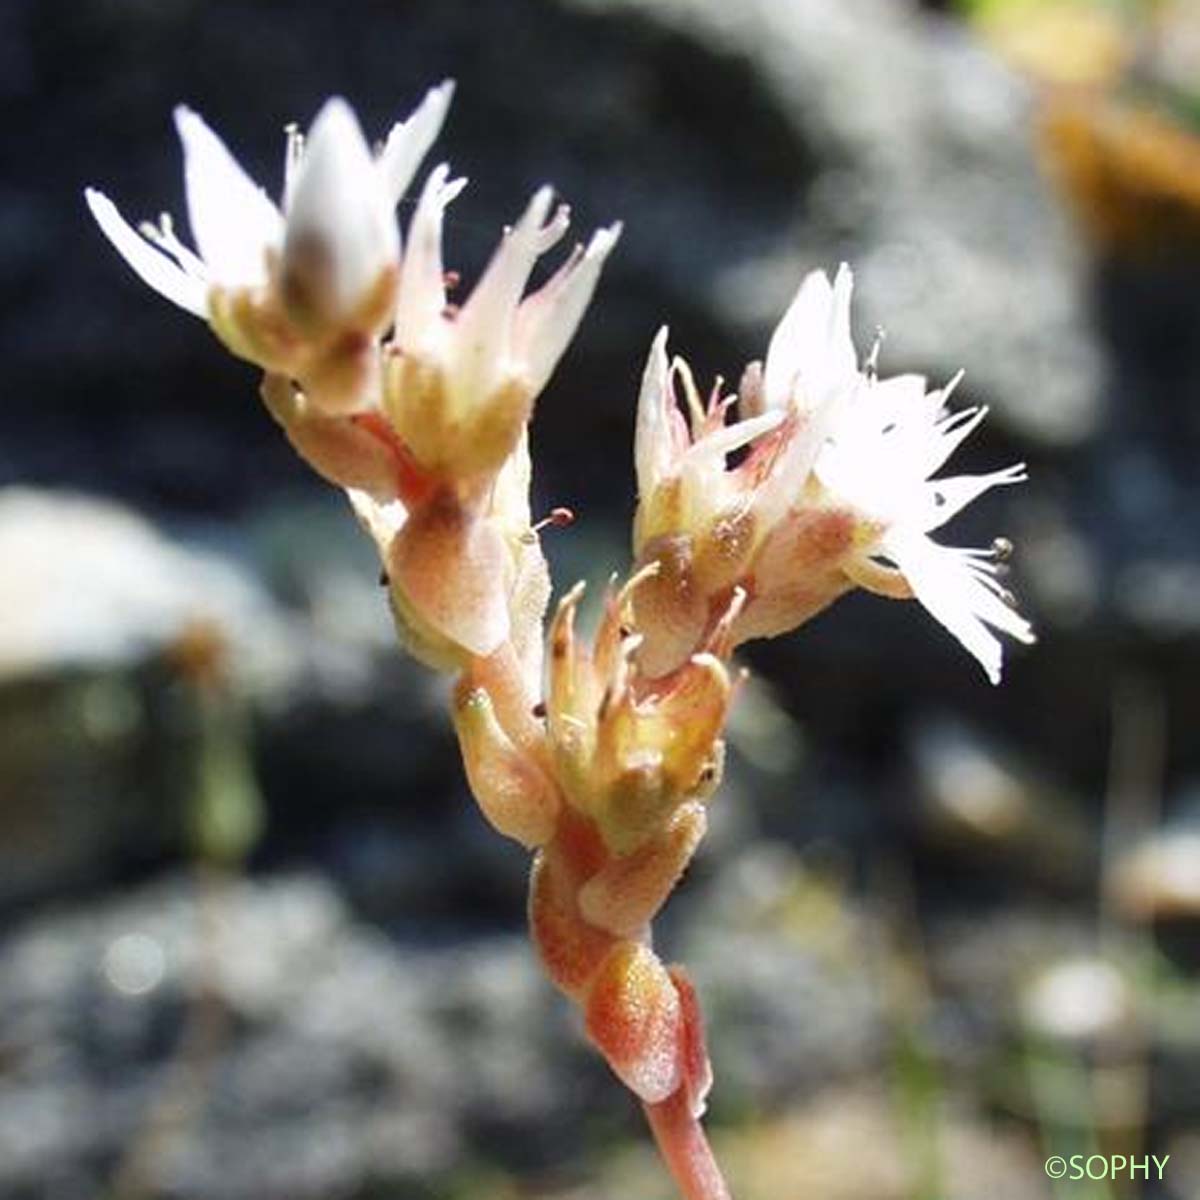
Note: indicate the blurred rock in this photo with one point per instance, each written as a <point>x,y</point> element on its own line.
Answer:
<point>983,960</point>
<point>111,630</point>
<point>89,585</point>
<point>233,1038</point>
<point>777,954</point>
<point>1159,877</point>
<point>926,180</point>
<point>237,1039</point>
<point>98,722</point>
<point>979,799</point>
<point>1079,1000</point>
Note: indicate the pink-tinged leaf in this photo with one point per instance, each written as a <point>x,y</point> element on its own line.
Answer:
<point>633,1016</point>
<point>451,567</point>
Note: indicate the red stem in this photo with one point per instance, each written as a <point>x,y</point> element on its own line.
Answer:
<point>685,1149</point>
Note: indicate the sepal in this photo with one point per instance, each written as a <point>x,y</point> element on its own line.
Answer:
<point>513,792</point>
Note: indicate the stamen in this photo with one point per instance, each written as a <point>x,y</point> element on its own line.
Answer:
<point>750,390</point>
<point>714,396</point>
<point>720,641</point>
<point>649,571</point>
<point>691,394</point>
<point>1002,549</point>
<point>558,518</point>
<point>293,152</point>
<point>871,366</point>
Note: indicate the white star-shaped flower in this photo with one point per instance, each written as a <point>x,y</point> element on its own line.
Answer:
<point>836,490</point>
<point>324,246</point>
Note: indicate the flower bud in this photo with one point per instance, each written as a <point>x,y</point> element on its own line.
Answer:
<point>630,754</point>
<point>305,292</point>
<point>460,384</point>
<point>341,247</point>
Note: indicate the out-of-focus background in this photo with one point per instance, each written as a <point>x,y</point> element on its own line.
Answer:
<point>256,941</point>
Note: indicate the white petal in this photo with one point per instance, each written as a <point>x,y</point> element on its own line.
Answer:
<point>949,433</point>
<point>841,355</point>
<point>409,141</point>
<point>232,220</point>
<point>942,499</point>
<point>805,317</point>
<point>811,345</point>
<point>785,482</point>
<point>152,266</point>
<point>484,328</point>
<point>422,294</point>
<point>950,591</point>
<point>547,320</point>
<point>712,448</point>
<point>338,210</point>
<point>652,441</point>
<point>895,398</point>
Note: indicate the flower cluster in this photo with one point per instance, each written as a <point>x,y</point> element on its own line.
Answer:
<point>419,408</point>
<point>597,755</point>
<point>836,492</point>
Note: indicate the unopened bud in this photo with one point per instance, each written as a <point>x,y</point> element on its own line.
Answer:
<point>341,242</point>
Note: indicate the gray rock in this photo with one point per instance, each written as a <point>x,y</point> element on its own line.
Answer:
<point>233,1037</point>
<point>979,799</point>
<point>925,178</point>
<point>786,1004</point>
<point>90,585</point>
<point>275,1047</point>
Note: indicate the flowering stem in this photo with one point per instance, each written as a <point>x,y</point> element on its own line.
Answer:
<point>685,1148</point>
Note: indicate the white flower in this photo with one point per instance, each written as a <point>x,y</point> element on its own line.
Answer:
<point>835,491</point>
<point>336,220</point>
<point>811,357</point>
<point>464,379</point>
<point>496,332</point>
<point>885,444</point>
<point>784,406</point>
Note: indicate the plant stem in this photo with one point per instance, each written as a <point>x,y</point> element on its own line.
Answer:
<point>685,1149</point>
